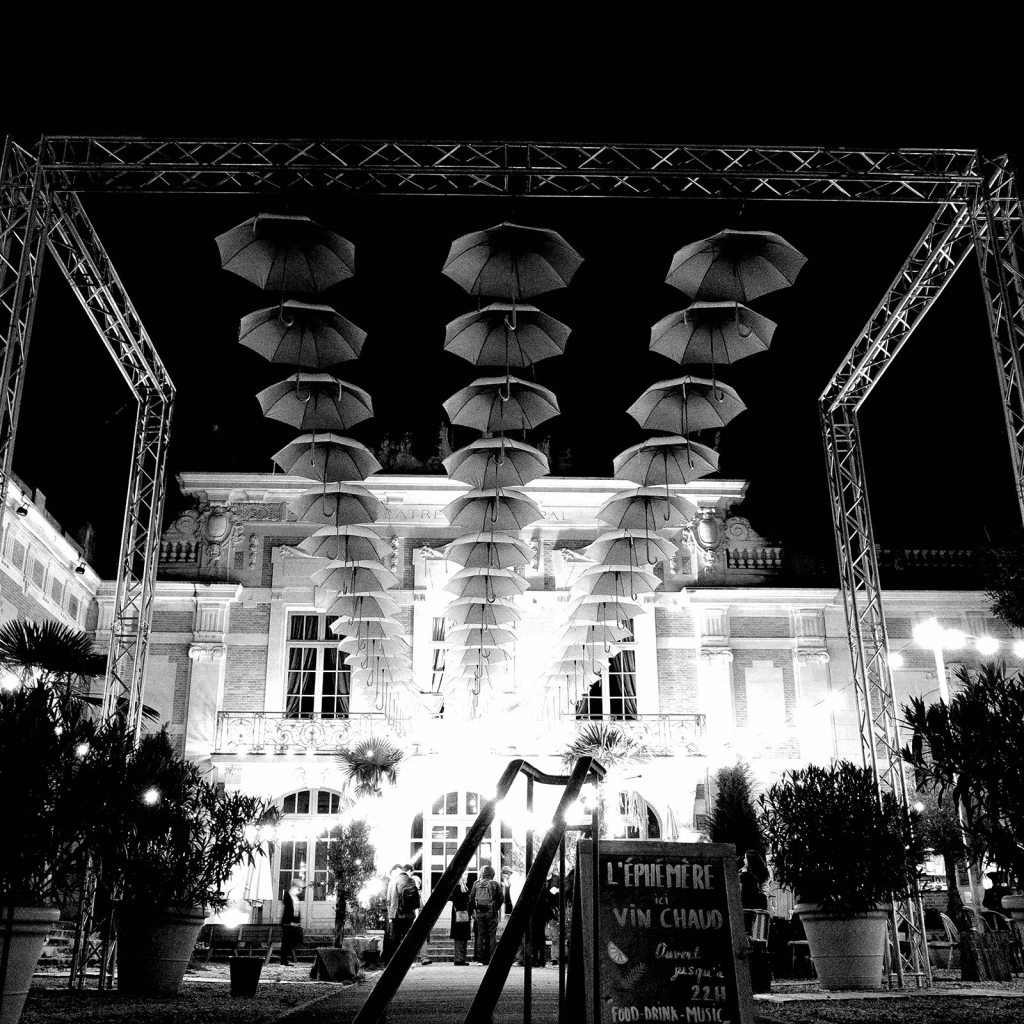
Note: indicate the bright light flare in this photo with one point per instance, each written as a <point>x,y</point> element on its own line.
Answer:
<point>1018,648</point>
<point>368,891</point>
<point>987,645</point>
<point>82,749</point>
<point>151,797</point>
<point>896,660</point>
<point>953,639</point>
<point>10,682</point>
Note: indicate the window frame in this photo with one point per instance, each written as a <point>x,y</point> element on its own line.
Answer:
<point>330,705</point>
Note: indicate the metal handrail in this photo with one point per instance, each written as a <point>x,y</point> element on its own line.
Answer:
<point>380,996</point>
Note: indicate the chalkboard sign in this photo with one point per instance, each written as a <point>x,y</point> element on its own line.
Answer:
<point>670,938</point>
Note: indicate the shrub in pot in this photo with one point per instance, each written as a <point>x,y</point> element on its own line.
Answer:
<point>168,840</point>
<point>847,854</point>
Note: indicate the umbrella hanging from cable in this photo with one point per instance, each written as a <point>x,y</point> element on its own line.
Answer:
<point>646,509</point>
<point>364,607</point>
<point>496,462</point>
<point>630,547</point>
<point>686,404</point>
<point>478,511</point>
<point>387,629</point>
<point>286,253</point>
<point>715,333</point>
<point>309,336</point>
<point>486,582</point>
<point>493,404</point>
<point>345,543</point>
<point>349,577</point>
<point>471,636</point>
<point>478,611</point>
<point>341,503</point>
<point>616,581</point>
<point>316,401</point>
<point>494,550</point>
<point>503,335</point>
<point>665,460</point>
<point>601,608</point>
<point>329,458</point>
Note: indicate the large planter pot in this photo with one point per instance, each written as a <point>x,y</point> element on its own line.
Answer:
<point>245,975</point>
<point>154,947</point>
<point>847,951</point>
<point>1013,907</point>
<point>31,925</point>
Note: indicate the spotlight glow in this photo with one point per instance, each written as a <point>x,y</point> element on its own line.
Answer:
<point>953,640</point>
<point>1018,648</point>
<point>151,796</point>
<point>896,660</point>
<point>82,749</point>
<point>929,633</point>
<point>987,645</point>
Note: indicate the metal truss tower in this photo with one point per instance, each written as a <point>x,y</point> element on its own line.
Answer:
<point>977,207</point>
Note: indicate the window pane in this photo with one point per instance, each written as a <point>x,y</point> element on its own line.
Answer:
<point>304,627</point>
<point>452,803</point>
<point>288,804</point>
<point>417,827</point>
<point>472,803</point>
<point>438,806</point>
<point>302,802</point>
<point>323,802</point>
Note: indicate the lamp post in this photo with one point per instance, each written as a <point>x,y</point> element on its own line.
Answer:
<point>932,635</point>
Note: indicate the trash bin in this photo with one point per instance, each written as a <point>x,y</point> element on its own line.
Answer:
<point>760,966</point>
<point>245,975</point>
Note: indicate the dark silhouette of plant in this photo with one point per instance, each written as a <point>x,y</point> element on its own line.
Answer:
<point>352,857</point>
<point>972,750</point>
<point>834,842</point>
<point>1003,576</point>
<point>733,819</point>
<point>939,829</point>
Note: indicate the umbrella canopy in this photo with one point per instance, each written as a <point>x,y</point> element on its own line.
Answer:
<point>486,582</point>
<point>387,629</point>
<point>497,550</point>
<point>646,509</point>
<point>477,655</point>
<point>511,261</point>
<point>595,633</point>
<point>316,401</point>
<point>630,547</point>
<point>286,253</point>
<point>478,511</point>
<point>347,577</point>
<point>341,503</point>
<point>345,542</point>
<point>598,608</point>
<point>302,334</point>
<point>364,607</point>
<point>684,404</point>
<point>502,334</point>
<point>496,462</point>
<point>665,460</point>
<point>493,404</point>
<point>374,648</point>
<point>474,636</point>
<point>718,333</point>
<point>735,266</point>
<point>478,611</point>
<point>616,581</point>
<point>327,457</point>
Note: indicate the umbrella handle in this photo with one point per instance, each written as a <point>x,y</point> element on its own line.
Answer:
<point>741,328</point>
<point>298,383</point>
<point>508,392</point>
<point>280,313</point>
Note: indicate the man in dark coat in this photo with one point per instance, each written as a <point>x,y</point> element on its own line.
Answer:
<point>290,926</point>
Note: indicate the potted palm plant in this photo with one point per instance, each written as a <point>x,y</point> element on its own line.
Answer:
<point>847,853</point>
<point>168,840</point>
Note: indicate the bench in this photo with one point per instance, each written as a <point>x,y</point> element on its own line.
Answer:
<point>242,940</point>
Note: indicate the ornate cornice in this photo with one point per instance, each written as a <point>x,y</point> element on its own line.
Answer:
<point>712,655</point>
<point>207,651</point>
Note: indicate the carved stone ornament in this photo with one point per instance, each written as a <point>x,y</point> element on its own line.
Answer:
<point>257,512</point>
<point>207,652</point>
<point>396,545</point>
<point>713,655</point>
<point>706,534</point>
<point>813,657</point>
<point>535,557</point>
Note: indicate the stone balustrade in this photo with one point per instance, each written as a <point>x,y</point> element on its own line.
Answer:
<point>753,559</point>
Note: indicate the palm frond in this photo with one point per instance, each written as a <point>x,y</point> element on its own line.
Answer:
<point>371,763</point>
<point>612,745</point>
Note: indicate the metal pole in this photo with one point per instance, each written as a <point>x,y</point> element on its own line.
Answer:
<point>596,899</point>
<point>561,926</point>
<point>528,938</point>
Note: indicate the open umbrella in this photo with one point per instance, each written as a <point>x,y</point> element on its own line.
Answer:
<point>477,511</point>
<point>497,550</point>
<point>630,547</point>
<point>665,460</point>
<point>715,333</point>
<point>341,542</point>
<point>470,636</point>
<point>316,401</point>
<point>616,581</point>
<point>511,261</point>
<point>646,509</point>
<point>735,266</point>
<point>595,632</point>
<point>486,582</point>
<point>478,611</point>
<point>382,630</point>
<point>327,457</point>
<point>347,577</point>
<point>388,647</point>
<point>305,335</point>
<point>599,608</point>
<point>496,462</point>
<point>685,404</point>
<point>341,503</point>
<point>493,404</point>
<point>286,253</point>
<point>364,607</point>
<point>503,335</point>
<point>477,655</point>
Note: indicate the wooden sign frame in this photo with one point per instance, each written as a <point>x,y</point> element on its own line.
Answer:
<point>668,934</point>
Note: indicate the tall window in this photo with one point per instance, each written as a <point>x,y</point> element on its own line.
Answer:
<point>318,681</point>
<point>613,695</point>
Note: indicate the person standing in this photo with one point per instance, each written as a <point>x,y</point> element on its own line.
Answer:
<point>485,901</point>
<point>389,939</point>
<point>401,909</point>
<point>460,921</point>
<point>290,926</point>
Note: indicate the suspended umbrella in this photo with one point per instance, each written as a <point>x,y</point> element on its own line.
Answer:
<point>685,404</point>
<point>386,648</point>
<point>599,608</point>
<point>511,261</point>
<point>630,547</point>
<point>384,630</point>
<point>346,542</point>
<point>716,333</point>
<point>478,611</point>
<point>647,508</point>
<point>305,335</point>
<point>286,253</point>
<point>496,462</point>
<point>616,581</point>
<point>486,582</point>
<point>346,577</point>
<point>477,511</point>
<point>665,460</point>
<point>364,606</point>
<point>342,503</point>
<point>596,633</point>
<point>503,335</point>
<point>493,404</point>
<point>316,401</point>
<point>494,550</point>
<point>328,458</point>
<point>477,655</point>
<point>735,266</point>
<point>471,636</point>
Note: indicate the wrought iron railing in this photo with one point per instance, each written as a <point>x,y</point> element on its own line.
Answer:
<point>664,735</point>
<point>277,732</point>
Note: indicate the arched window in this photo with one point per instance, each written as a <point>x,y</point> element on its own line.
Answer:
<point>302,856</point>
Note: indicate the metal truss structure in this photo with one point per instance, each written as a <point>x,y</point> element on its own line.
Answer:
<point>977,208</point>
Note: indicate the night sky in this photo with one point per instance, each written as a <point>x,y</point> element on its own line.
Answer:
<point>937,458</point>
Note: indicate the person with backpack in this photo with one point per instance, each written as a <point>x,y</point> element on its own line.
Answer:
<point>405,902</point>
<point>485,901</point>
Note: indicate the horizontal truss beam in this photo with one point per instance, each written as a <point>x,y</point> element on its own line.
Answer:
<point>378,167</point>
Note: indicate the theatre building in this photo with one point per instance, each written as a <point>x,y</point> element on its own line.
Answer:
<point>724,663</point>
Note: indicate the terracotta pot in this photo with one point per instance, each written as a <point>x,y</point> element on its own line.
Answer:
<point>847,951</point>
<point>31,927</point>
<point>154,947</point>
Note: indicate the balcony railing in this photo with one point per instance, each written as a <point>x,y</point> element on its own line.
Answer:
<point>664,735</point>
<point>275,732</point>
